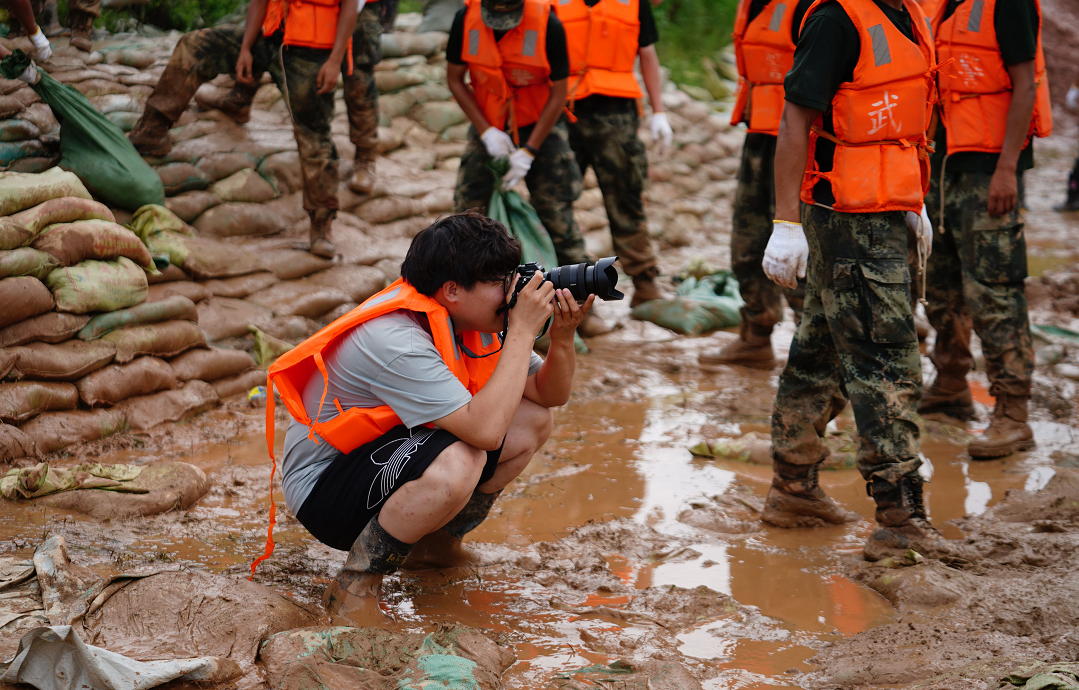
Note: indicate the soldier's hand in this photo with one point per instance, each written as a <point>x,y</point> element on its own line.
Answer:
<point>327,77</point>
<point>243,67</point>
<point>787,254</point>
<point>1003,193</point>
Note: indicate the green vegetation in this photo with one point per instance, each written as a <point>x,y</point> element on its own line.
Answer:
<point>691,30</point>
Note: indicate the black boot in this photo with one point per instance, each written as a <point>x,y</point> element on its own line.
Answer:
<point>902,524</point>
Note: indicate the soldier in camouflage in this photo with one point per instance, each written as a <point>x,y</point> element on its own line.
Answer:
<point>81,16</point>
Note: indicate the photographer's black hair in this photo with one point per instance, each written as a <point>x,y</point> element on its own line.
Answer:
<point>467,248</point>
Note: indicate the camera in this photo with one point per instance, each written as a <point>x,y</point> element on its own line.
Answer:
<point>581,280</point>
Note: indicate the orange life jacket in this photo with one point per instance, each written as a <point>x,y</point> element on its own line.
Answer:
<point>764,51</point>
<point>308,23</point>
<point>881,160</point>
<point>356,426</point>
<point>929,7</point>
<point>511,78</point>
<point>975,89</point>
<point>603,41</point>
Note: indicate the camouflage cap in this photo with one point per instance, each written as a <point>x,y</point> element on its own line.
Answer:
<point>502,15</point>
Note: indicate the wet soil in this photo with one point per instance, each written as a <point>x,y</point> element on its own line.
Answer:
<point>617,543</point>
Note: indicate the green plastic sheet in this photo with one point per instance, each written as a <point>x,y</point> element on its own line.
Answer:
<point>42,480</point>
<point>91,145</point>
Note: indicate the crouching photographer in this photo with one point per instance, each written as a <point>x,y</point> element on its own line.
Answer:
<point>411,414</point>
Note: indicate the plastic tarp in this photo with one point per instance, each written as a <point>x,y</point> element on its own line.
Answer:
<point>700,305</point>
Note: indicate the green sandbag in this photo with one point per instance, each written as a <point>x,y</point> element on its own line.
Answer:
<point>699,306</point>
<point>98,286</point>
<point>267,348</point>
<point>155,218</point>
<point>27,261</point>
<point>11,151</point>
<point>91,146</point>
<point>18,130</point>
<point>508,208</point>
<point>175,307</point>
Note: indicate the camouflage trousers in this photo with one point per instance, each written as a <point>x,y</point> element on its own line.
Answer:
<point>202,55</point>
<point>605,138</point>
<point>754,209</point>
<point>361,94</point>
<point>856,341</point>
<point>40,8</point>
<point>975,280</point>
<point>554,182</point>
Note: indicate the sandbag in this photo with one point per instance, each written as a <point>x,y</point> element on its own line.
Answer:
<point>124,120</point>
<point>23,297</point>
<point>13,151</point>
<point>223,317</point>
<point>436,116</point>
<point>359,282</point>
<point>145,412</point>
<point>72,243</point>
<point>166,339</point>
<point>699,306</point>
<point>241,286</point>
<point>221,165</point>
<point>117,103</point>
<point>26,261</point>
<point>79,74</point>
<point>169,274</point>
<point>168,309</point>
<point>118,382</point>
<point>63,210</point>
<point>52,431</point>
<point>10,106</point>
<point>234,218</point>
<point>91,88</point>
<point>244,186</point>
<point>20,191</point>
<point>151,219</point>
<point>295,298</point>
<point>182,177</point>
<point>98,286</point>
<point>178,288</point>
<point>282,171</point>
<point>21,400</point>
<point>268,348</point>
<point>66,361</point>
<point>50,327</point>
<point>289,264</point>
<point>395,80</point>
<point>15,444</point>
<point>242,383</point>
<point>203,258</point>
<point>132,57</point>
<point>159,488</point>
<point>401,44</point>
<point>17,130</point>
<point>12,235</point>
<point>211,364</point>
<point>388,208</point>
<point>8,358</point>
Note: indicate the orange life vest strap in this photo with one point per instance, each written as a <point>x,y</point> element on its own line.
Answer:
<point>884,142</point>
<point>273,471</point>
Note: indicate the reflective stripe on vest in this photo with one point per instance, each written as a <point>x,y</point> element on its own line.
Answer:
<point>603,42</point>
<point>976,89</point>
<point>881,160</point>
<point>764,51</point>
<point>511,78</point>
<point>308,23</point>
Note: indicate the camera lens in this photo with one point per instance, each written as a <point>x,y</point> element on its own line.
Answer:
<point>583,280</point>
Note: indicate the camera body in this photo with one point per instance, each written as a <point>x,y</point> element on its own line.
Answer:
<point>581,280</point>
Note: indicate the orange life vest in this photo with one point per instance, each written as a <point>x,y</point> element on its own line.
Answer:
<point>356,426</point>
<point>511,78</point>
<point>881,160</point>
<point>764,51</point>
<point>975,89</point>
<point>308,23</point>
<point>603,41</point>
<point>929,7</point>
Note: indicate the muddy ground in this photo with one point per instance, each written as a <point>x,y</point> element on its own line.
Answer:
<point>617,544</point>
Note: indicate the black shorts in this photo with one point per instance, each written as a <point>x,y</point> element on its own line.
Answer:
<point>355,485</point>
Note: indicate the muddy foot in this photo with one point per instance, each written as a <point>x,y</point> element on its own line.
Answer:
<point>786,510</point>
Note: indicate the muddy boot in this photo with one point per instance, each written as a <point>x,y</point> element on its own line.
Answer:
<point>1071,203</point>
<point>902,524</point>
<point>949,395</point>
<point>355,591</point>
<point>594,325</point>
<point>753,348</point>
<point>151,135</point>
<point>796,499</point>
<point>363,179</point>
<point>444,548</point>
<point>236,102</point>
<point>1008,430</point>
<point>321,228</point>
<point>82,23</point>
<point>645,288</point>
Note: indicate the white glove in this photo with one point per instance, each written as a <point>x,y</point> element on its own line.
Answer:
<point>661,130</point>
<point>1072,99</point>
<point>42,50</point>
<point>30,74</point>
<point>923,229</point>
<point>520,164</point>
<point>498,143</point>
<point>787,254</point>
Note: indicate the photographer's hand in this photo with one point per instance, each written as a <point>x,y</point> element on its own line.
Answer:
<point>535,304</point>
<point>568,315</point>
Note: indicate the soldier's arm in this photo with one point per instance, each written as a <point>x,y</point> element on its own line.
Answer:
<point>455,79</point>
<point>550,113</point>
<point>653,81</point>
<point>1003,188</point>
<point>331,69</point>
<point>256,14</point>
<point>792,148</point>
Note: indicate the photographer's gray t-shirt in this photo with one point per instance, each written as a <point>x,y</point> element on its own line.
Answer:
<point>389,360</point>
